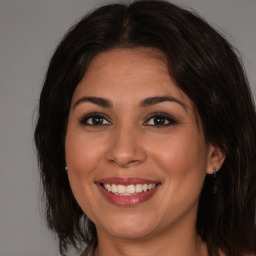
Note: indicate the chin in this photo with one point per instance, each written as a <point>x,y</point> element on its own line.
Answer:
<point>129,228</point>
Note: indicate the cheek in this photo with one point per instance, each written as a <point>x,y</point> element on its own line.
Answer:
<point>183,163</point>
<point>82,157</point>
<point>181,148</point>
<point>82,152</point>
<point>183,159</point>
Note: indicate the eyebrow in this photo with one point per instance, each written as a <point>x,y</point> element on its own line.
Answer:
<point>105,103</point>
<point>95,100</point>
<point>155,100</point>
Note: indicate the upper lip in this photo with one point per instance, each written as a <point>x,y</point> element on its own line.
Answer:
<point>126,181</point>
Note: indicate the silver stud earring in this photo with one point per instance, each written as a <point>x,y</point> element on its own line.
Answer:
<point>66,168</point>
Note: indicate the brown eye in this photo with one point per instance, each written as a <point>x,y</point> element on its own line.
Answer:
<point>160,119</point>
<point>94,120</point>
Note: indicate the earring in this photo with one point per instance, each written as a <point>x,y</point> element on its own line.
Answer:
<point>215,187</point>
<point>66,168</point>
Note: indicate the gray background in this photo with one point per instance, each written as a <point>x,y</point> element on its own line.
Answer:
<point>29,32</point>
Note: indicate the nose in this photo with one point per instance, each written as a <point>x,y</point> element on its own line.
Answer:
<point>125,148</point>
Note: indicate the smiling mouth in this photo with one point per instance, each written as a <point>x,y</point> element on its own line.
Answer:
<point>132,189</point>
<point>127,192</point>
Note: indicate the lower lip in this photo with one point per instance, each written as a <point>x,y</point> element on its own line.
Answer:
<point>127,200</point>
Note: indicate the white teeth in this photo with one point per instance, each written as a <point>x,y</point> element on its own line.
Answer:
<point>145,187</point>
<point>114,188</point>
<point>108,187</point>
<point>138,188</point>
<point>128,190</point>
<point>121,189</point>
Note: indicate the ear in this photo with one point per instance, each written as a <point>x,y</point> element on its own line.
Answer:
<point>216,158</point>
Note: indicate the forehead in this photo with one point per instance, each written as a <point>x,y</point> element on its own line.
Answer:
<point>129,74</point>
<point>130,56</point>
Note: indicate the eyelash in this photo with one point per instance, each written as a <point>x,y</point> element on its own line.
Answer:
<point>84,120</point>
<point>163,117</point>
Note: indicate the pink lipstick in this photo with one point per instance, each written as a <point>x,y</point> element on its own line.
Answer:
<point>127,191</point>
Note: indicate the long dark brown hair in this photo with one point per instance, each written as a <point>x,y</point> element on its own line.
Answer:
<point>206,68</point>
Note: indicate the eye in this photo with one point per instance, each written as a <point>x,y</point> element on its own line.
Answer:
<point>160,120</point>
<point>94,119</point>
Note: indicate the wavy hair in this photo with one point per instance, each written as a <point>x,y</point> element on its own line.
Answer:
<point>206,68</point>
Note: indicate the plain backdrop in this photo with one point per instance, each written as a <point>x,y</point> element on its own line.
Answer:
<point>29,33</point>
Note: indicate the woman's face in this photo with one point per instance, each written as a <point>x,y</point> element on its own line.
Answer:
<point>135,149</point>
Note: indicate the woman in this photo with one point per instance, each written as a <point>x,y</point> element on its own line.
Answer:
<point>148,110</point>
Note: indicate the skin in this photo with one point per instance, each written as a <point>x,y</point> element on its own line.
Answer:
<point>130,144</point>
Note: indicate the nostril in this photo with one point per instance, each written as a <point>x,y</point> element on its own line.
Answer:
<point>124,162</point>
<point>125,154</point>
